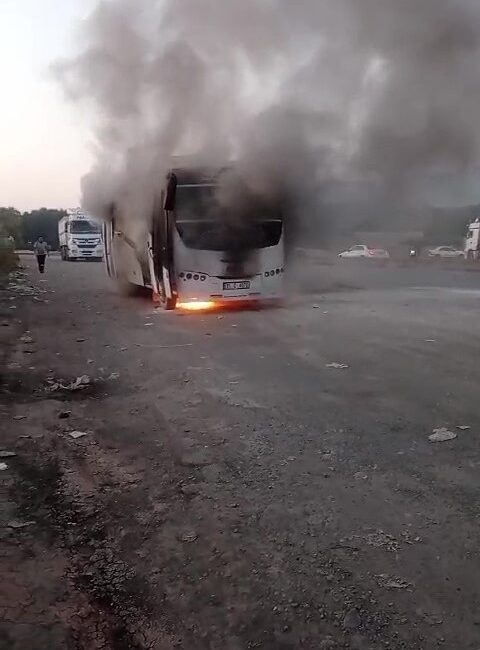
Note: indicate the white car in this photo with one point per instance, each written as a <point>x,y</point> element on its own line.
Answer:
<point>446,251</point>
<point>365,251</point>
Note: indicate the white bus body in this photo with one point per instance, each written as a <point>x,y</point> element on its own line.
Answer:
<point>80,237</point>
<point>190,259</point>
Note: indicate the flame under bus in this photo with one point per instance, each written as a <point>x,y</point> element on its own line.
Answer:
<point>199,254</point>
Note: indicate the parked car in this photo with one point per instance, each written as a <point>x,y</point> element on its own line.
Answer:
<point>360,250</point>
<point>446,251</point>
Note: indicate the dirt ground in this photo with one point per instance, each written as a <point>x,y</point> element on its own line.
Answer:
<point>211,482</point>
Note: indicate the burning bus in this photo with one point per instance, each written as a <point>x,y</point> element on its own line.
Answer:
<point>200,250</point>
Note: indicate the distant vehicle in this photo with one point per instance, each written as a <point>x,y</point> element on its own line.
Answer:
<point>446,251</point>
<point>361,250</point>
<point>472,241</point>
<point>80,236</point>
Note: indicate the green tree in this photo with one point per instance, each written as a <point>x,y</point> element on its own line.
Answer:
<point>42,223</point>
<point>11,225</point>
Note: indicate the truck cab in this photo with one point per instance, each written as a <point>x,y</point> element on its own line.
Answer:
<point>80,237</point>
<point>472,241</point>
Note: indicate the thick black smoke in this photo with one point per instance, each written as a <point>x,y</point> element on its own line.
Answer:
<point>305,95</point>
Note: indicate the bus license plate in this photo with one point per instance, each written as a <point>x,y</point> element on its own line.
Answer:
<point>229,286</point>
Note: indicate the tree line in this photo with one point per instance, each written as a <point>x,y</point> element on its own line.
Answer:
<point>27,227</point>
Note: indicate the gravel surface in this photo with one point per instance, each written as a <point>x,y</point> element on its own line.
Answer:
<point>256,479</point>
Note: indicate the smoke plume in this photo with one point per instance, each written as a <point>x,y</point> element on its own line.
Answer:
<point>304,95</point>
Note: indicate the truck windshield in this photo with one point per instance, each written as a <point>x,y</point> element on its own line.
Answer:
<point>203,224</point>
<point>84,227</point>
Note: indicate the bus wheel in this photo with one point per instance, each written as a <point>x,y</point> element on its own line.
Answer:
<point>170,304</point>
<point>165,303</point>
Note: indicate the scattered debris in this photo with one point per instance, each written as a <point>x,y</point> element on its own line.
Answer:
<point>430,341</point>
<point>80,383</point>
<point>190,536</point>
<point>80,340</point>
<point>431,619</point>
<point>19,417</point>
<point>388,582</point>
<point>26,339</point>
<point>378,539</point>
<point>316,307</point>
<point>77,434</point>
<point>20,524</point>
<point>442,435</point>
<point>360,476</point>
<point>3,467</point>
<point>337,366</point>
<point>63,415</point>
<point>89,361</point>
<point>463,427</point>
<point>113,376</point>
<point>7,454</point>
<point>148,324</point>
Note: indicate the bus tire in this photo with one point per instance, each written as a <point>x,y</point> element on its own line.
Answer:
<point>169,304</point>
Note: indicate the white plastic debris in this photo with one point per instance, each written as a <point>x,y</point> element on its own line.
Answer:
<point>113,376</point>
<point>19,417</point>
<point>77,434</point>
<point>442,435</point>
<point>3,467</point>
<point>463,427</point>
<point>79,384</point>
<point>20,524</point>
<point>337,366</point>
<point>7,454</point>
<point>26,339</point>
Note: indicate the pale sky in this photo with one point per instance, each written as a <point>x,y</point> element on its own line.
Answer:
<point>44,142</point>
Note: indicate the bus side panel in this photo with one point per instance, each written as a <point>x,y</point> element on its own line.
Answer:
<point>127,266</point>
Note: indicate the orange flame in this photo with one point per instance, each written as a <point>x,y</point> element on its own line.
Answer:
<point>197,306</point>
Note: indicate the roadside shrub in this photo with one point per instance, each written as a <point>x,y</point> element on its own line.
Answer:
<point>8,260</point>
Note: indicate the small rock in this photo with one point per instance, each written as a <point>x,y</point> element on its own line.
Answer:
<point>77,434</point>
<point>442,435</point>
<point>352,620</point>
<point>63,415</point>
<point>360,476</point>
<point>189,537</point>
<point>81,340</point>
<point>463,427</point>
<point>337,366</point>
<point>19,417</point>
<point>3,467</point>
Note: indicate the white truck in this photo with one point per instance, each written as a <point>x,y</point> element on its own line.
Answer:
<point>80,236</point>
<point>472,241</point>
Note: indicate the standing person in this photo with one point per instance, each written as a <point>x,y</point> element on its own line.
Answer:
<point>41,250</point>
